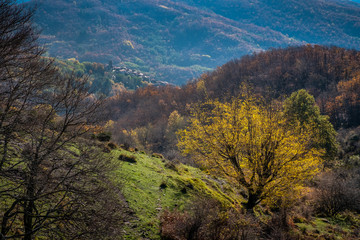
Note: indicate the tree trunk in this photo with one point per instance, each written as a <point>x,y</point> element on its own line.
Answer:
<point>253,200</point>
<point>29,205</point>
<point>28,219</point>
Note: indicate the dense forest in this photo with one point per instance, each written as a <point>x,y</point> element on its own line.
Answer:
<point>264,147</point>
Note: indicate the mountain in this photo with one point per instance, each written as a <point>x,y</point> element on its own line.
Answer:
<point>177,40</point>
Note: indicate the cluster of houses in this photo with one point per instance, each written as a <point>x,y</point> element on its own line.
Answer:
<point>128,71</point>
<point>136,73</point>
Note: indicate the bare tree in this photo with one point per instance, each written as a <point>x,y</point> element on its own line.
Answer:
<point>23,71</point>
<point>54,181</point>
<point>56,176</point>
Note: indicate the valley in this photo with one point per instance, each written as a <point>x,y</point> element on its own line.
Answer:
<point>179,119</point>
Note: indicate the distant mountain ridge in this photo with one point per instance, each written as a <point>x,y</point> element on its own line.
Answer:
<point>177,40</point>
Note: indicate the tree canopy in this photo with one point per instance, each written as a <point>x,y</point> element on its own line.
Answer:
<point>251,145</point>
<point>300,108</point>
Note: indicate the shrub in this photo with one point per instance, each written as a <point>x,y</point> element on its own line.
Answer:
<point>104,136</point>
<point>207,220</point>
<point>163,185</point>
<point>278,227</point>
<point>157,155</point>
<point>173,155</point>
<point>106,149</point>
<point>338,191</point>
<point>171,165</point>
<point>112,145</point>
<point>132,149</point>
<point>125,146</point>
<point>126,158</point>
<point>183,190</point>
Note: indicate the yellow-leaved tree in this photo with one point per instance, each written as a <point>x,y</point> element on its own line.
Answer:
<point>251,145</point>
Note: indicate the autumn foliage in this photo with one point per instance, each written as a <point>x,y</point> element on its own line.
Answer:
<point>346,107</point>
<point>322,71</point>
<point>252,146</point>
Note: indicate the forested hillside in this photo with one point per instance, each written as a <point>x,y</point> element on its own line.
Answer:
<point>178,40</point>
<point>236,118</point>
<point>235,115</point>
<point>266,146</point>
<point>331,74</point>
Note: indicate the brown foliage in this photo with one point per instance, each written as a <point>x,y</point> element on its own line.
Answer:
<point>338,191</point>
<point>282,71</point>
<point>346,108</point>
<point>207,220</point>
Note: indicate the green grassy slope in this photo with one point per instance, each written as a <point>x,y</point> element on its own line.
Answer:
<point>153,184</point>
